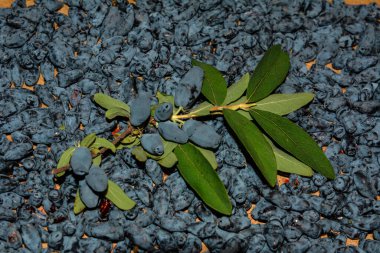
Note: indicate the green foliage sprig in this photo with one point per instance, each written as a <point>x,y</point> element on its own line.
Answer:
<point>248,108</point>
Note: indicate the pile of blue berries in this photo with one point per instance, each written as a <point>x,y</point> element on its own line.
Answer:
<point>132,51</point>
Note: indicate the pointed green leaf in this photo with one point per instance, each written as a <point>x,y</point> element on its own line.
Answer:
<point>245,114</point>
<point>269,74</point>
<point>97,160</point>
<point>116,112</point>
<point>134,143</point>
<point>202,109</point>
<point>241,100</point>
<point>129,139</point>
<point>289,164</point>
<point>283,104</point>
<point>79,206</point>
<point>199,174</point>
<point>168,161</point>
<point>214,87</point>
<point>139,154</point>
<point>210,156</point>
<point>118,197</point>
<point>236,90</point>
<point>295,140</point>
<point>108,102</point>
<point>103,143</point>
<point>162,98</point>
<point>255,144</point>
<point>168,148</point>
<point>65,160</point>
<point>88,140</point>
<point>120,146</point>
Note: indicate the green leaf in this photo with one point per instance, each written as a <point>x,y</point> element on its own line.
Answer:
<point>255,144</point>
<point>295,140</point>
<point>236,90</point>
<point>283,104</point>
<point>116,112</point>
<point>108,102</point>
<point>168,161</point>
<point>162,98</point>
<point>202,109</point>
<point>168,148</point>
<point>133,144</point>
<point>118,197</point>
<point>97,160</point>
<point>103,143</point>
<point>88,140</point>
<point>288,163</point>
<point>136,142</point>
<point>209,155</point>
<point>241,100</point>
<point>245,114</point>
<point>129,139</point>
<point>79,206</point>
<point>199,174</point>
<point>269,74</point>
<point>120,146</point>
<point>214,87</point>
<point>139,154</point>
<point>65,160</point>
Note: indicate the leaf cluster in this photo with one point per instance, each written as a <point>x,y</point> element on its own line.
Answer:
<point>114,193</point>
<point>254,116</point>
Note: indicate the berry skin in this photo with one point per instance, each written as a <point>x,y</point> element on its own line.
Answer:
<point>206,137</point>
<point>81,161</point>
<point>171,132</point>
<point>190,126</point>
<point>163,112</point>
<point>189,87</point>
<point>55,239</point>
<point>140,110</point>
<point>87,195</point>
<point>152,144</point>
<point>97,179</point>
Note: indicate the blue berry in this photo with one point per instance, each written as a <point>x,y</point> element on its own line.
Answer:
<point>152,144</point>
<point>81,161</point>
<point>189,87</point>
<point>140,110</point>
<point>205,136</point>
<point>87,195</point>
<point>171,132</point>
<point>97,179</point>
<point>163,111</point>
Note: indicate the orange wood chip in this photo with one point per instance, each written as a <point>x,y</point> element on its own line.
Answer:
<point>26,87</point>
<point>253,221</point>
<point>352,242</point>
<point>9,137</point>
<point>310,64</point>
<point>337,71</point>
<point>42,210</point>
<point>204,248</point>
<point>361,2</point>
<point>41,79</point>
<point>64,10</point>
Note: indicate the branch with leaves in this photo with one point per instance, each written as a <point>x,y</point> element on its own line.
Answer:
<point>248,109</point>
<point>85,143</point>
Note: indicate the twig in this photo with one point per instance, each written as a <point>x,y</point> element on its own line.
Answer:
<point>102,151</point>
